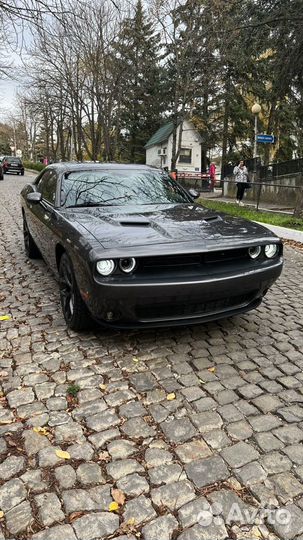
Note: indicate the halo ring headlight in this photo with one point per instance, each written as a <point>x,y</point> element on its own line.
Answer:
<point>254,252</point>
<point>105,267</point>
<point>271,250</point>
<point>127,265</point>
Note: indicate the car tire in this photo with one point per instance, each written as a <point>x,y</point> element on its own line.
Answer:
<point>31,248</point>
<point>75,312</point>
<point>22,174</point>
<point>1,177</point>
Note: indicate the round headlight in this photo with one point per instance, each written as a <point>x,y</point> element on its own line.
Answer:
<point>254,252</point>
<point>271,250</point>
<point>106,267</point>
<point>127,265</point>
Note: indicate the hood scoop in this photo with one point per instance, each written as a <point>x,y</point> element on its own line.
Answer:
<point>133,222</point>
<point>212,218</point>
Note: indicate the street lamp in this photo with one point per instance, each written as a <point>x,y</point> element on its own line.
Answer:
<point>256,109</point>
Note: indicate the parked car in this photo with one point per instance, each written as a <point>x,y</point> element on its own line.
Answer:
<point>131,248</point>
<point>12,164</point>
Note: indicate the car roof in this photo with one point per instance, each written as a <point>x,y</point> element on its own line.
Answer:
<point>87,165</point>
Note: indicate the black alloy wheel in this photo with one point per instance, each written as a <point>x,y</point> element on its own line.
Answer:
<point>31,248</point>
<point>75,312</point>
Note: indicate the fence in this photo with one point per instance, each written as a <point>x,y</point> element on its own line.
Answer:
<point>283,193</point>
<point>270,171</point>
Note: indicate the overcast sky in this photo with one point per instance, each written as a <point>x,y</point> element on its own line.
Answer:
<point>8,91</point>
<point>10,86</point>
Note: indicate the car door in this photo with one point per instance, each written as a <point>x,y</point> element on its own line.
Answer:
<point>44,216</point>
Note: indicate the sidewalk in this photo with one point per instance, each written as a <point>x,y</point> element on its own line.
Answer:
<point>283,232</point>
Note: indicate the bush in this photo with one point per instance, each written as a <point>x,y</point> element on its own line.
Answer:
<point>35,166</point>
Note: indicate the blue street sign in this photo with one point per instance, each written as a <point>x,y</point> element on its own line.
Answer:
<point>263,138</point>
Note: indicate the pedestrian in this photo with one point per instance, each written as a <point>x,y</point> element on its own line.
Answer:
<point>212,175</point>
<point>241,178</point>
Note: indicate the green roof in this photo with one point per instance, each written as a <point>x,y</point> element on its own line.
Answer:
<point>161,135</point>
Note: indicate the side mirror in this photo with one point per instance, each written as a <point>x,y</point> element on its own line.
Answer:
<point>194,193</point>
<point>35,197</point>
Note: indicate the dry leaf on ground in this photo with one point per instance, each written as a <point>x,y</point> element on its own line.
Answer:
<point>62,454</point>
<point>41,430</point>
<point>118,496</point>
<point>113,507</point>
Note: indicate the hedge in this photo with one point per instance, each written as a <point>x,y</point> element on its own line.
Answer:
<point>32,165</point>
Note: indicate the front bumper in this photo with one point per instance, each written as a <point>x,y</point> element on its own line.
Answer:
<point>163,302</point>
<point>13,169</point>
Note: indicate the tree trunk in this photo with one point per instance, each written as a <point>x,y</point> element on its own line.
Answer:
<point>224,138</point>
<point>299,205</point>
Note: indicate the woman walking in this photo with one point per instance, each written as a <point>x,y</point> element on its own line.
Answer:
<point>241,178</point>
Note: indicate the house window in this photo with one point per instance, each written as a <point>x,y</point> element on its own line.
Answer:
<point>185,155</point>
<point>164,150</point>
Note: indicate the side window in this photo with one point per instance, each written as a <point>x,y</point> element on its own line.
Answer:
<point>47,185</point>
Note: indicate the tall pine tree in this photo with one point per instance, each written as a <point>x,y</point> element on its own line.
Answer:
<point>137,54</point>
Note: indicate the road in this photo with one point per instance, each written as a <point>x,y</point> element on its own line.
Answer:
<point>192,426</point>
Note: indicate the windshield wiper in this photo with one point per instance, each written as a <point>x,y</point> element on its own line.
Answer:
<point>87,204</point>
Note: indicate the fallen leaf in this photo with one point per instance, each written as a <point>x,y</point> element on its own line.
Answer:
<point>63,455</point>
<point>113,507</point>
<point>129,527</point>
<point>171,396</point>
<point>135,359</point>
<point>1,514</point>
<point>10,442</point>
<point>75,515</point>
<point>212,369</point>
<point>118,496</point>
<point>201,381</point>
<point>104,456</point>
<point>41,430</point>
<point>5,318</point>
<point>256,533</point>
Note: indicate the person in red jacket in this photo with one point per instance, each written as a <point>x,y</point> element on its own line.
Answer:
<point>212,174</point>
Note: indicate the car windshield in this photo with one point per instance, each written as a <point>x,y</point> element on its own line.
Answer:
<point>12,159</point>
<point>120,188</point>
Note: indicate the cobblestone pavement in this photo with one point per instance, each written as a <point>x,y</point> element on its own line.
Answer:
<point>156,434</point>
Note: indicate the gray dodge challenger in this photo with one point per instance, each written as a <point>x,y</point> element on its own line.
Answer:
<point>131,248</point>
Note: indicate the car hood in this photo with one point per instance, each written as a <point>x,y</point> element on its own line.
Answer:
<point>120,227</point>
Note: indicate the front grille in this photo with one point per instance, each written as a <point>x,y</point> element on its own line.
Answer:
<point>188,309</point>
<point>191,261</point>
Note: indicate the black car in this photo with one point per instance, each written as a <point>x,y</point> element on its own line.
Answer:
<point>12,164</point>
<point>131,248</point>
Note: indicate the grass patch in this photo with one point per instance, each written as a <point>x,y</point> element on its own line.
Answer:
<point>272,218</point>
<point>73,390</point>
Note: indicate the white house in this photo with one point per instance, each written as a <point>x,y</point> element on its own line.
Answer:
<point>159,148</point>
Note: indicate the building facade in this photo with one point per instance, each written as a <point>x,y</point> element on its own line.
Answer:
<point>159,148</point>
